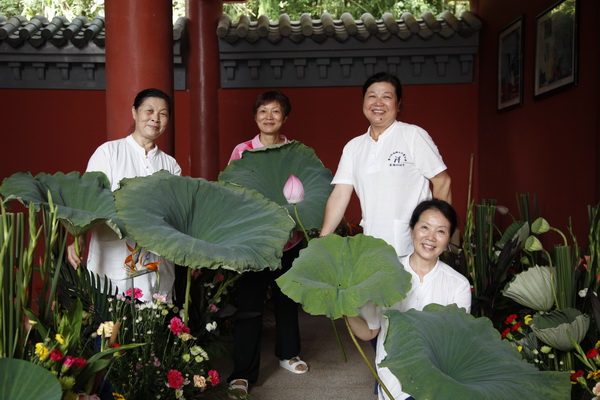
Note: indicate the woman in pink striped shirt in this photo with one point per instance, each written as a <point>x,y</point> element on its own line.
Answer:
<point>271,110</point>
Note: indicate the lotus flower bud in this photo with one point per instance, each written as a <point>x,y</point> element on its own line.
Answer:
<point>293,190</point>
<point>540,226</point>
<point>533,244</point>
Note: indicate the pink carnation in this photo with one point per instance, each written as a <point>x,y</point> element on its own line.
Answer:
<point>137,293</point>
<point>175,379</point>
<point>178,327</point>
<point>69,361</point>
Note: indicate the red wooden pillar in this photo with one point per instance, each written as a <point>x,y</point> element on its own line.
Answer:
<point>203,85</point>
<point>139,55</point>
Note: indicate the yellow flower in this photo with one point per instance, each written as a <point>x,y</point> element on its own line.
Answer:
<point>118,396</point>
<point>520,348</point>
<point>528,319</point>
<point>597,344</point>
<point>186,357</point>
<point>594,375</point>
<point>60,338</point>
<point>41,351</point>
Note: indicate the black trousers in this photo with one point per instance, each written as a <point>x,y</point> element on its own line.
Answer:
<point>251,293</point>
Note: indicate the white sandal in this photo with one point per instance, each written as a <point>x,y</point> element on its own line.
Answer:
<point>285,364</point>
<point>241,385</point>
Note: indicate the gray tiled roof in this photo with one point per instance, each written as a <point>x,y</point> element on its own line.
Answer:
<point>58,32</point>
<point>346,27</point>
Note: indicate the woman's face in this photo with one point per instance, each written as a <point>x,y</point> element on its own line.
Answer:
<point>269,118</point>
<point>431,235</point>
<point>151,118</point>
<point>380,104</point>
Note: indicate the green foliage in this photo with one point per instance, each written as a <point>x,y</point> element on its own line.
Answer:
<point>445,350</point>
<point>316,8</point>
<point>267,170</point>
<point>52,8</point>
<point>201,224</point>
<point>335,276</point>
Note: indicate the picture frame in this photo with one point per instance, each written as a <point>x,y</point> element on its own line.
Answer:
<point>510,65</point>
<point>556,49</point>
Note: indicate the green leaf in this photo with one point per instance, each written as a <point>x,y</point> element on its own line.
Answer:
<point>202,224</point>
<point>554,328</point>
<point>83,201</point>
<point>267,169</point>
<point>517,230</point>
<point>334,276</point>
<point>20,379</point>
<point>442,349</point>
<point>533,288</point>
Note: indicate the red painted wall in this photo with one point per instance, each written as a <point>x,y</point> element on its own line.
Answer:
<point>58,130</point>
<point>549,146</point>
<point>327,118</point>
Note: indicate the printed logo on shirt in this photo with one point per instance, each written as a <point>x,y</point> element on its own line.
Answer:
<point>397,159</point>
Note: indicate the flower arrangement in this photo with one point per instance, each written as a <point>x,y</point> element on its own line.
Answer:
<point>170,364</point>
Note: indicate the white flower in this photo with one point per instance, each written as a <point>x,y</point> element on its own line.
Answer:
<point>596,389</point>
<point>211,326</point>
<point>105,329</point>
<point>583,292</point>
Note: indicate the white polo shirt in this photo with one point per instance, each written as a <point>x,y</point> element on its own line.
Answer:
<point>390,176</point>
<point>442,285</point>
<point>118,159</point>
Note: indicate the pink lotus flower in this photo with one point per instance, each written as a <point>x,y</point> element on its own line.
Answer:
<point>293,190</point>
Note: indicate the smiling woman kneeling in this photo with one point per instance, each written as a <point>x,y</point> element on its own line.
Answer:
<point>431,226</point>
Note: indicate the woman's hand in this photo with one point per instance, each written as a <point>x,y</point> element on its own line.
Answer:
<point>74,259</point>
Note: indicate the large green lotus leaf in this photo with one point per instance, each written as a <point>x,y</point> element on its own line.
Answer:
<point>533,288</point>
<point>23,380</point>
<point>197,223</point>
<point>83,201</point>
<point>334,276</point>
<point>267,169</point>
<point>444,353</point>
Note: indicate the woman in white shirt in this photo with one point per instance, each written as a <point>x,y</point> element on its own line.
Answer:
<point>130,157</point>
<point>431,226</point>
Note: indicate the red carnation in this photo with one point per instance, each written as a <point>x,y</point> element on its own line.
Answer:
<point>577,375</point>
<point>175,379</point>
<point>214,377</point>
<point>591,353</point>
<point>56,355</point>
<point>510,319</point>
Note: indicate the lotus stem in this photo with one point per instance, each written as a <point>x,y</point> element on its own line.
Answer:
<point>337,336</point>
<point>561,234</point>
<point>188,286</point>
<point>300,223</point>
<point>362,353</point>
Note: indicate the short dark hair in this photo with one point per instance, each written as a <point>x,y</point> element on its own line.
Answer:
<point>384,77</point>
<point>434,204</point>
<point>147,93</point>
<point>270,96</point>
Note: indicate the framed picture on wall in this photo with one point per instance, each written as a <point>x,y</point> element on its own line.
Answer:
<point>556,48</point>
<point>510,65</point>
